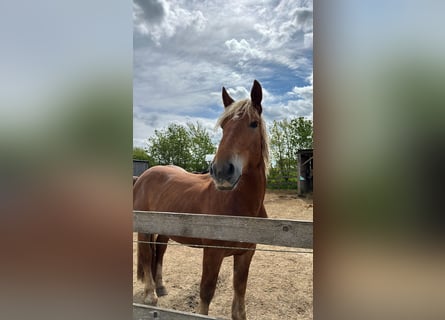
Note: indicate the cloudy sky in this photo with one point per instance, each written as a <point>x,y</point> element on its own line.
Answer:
<point>185,51</point>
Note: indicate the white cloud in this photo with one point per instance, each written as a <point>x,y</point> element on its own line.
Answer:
<point>238,93</point>
<point>287,22</point>
<point>145,124</point>
<point>303,105</point>
<point>308,40</point>
<point>302,92</point>
<point>159,19</point>
<point>185,51</point>
<point>310,78</point>
<point>150,11</point>
<point>244,50</point>
<point>296,103</point>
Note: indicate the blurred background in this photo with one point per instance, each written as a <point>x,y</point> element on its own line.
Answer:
<point>379,128</point>
<point>65,160</point>
<point>66,148</point>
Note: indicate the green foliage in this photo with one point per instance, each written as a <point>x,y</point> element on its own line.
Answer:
<point>184,146</point>
<point>170,146</point>
<point>286,138</point>
<point>283,152</point>
<point>276,180</point>
<point>301,133</point>
<point>141,154</point>
<point>201,145</point>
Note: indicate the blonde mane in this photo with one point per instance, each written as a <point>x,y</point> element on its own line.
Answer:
<point>238,110</point>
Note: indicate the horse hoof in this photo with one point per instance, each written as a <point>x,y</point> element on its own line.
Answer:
<point>161,291</point>
<point>151,300</point>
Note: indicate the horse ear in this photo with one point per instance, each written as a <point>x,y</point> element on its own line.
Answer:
<point>227,100</point>
<point>256,95</point>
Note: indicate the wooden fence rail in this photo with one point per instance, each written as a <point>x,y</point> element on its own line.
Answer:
<point>278,232</point>
<point>144,312</point>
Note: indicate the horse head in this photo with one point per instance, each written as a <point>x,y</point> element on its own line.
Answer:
<point>243,147</point>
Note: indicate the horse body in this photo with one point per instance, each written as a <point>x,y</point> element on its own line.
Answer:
<point>195,193</point>
<point>235,186</point>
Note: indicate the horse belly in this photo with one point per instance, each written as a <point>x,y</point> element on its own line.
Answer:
<point>230,248</point>
<point>188,241</point>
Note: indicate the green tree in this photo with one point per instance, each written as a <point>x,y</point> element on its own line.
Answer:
<point>170,146</point>
<point>184,146</point>
<point>286,138</point>
<point>200,146</point>
<point>141,154</point>
<point>301,133</point>
<point>281,147</point>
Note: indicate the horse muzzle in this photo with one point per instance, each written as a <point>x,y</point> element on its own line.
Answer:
<point>225,176</point>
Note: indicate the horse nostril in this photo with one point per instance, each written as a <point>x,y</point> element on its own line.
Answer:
<point>231,169</point>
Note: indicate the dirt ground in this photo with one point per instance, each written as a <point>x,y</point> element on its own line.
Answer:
<point>279,285</point>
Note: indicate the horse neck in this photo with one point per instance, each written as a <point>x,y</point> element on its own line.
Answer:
<point>253,187</point>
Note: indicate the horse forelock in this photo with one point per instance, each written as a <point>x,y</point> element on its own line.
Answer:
<point>238,110</point>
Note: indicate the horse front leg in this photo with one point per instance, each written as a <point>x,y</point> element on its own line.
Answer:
<point>241,264</point>
<point>146,252</point>
<point>211,264</point>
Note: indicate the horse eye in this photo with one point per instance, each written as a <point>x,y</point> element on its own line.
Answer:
<point>253,124</point>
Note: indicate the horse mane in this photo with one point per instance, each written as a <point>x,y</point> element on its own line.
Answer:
<point>238,110</point>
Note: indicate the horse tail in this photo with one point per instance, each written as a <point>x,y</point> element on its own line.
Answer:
<point>146,254</point>
<point>146,250</point>
<point>144,246</point>
<point>140,272</point>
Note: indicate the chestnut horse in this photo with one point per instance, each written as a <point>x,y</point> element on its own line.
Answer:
<point>235,186</point>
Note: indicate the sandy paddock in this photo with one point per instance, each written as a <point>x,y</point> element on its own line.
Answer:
<point>279,285</point>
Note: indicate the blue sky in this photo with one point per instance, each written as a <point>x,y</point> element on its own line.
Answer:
<point>185,51</point>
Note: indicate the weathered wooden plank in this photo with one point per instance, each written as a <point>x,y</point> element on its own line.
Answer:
<point>278,232</point>
<point>144,312</point>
